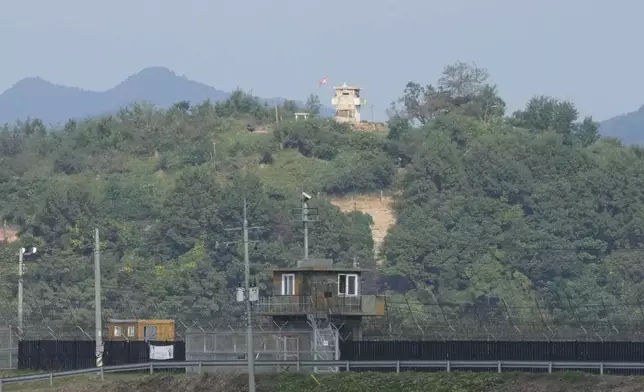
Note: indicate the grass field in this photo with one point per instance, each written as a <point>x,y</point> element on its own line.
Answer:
<point>346,382</point>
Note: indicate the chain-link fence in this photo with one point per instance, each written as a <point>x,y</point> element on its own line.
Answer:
<point>8,349</point>
<point>275,344</point>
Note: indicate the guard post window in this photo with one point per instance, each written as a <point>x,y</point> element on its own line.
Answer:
<point>347,284</point>
<point>288,284</point>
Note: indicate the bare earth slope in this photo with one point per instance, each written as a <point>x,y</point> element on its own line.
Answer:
<point>379,382</point>
<point>381,212</point>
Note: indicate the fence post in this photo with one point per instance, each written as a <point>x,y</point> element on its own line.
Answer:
<point>448,366</point>
<point>51,380</point>
<point>151,368</point>
<point>499,366</point>
<point>102,374</point>
<point>297,365</point>
<point>549,367</point>
<point>601,368</point>
<point>347,366</point>
<point>397,366</point>
<point>200,366</point>
<point>10,347</point>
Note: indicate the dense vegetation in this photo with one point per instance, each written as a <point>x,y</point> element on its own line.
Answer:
<point>497,213</point>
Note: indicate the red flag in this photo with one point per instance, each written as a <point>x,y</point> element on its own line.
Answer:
<point>324,81</point>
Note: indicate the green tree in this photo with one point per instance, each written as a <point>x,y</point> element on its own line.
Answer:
<point>313,105</point>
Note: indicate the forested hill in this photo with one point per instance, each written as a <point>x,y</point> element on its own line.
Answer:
<point>523,218</point>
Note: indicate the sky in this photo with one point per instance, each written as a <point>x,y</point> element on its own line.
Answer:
<point>585,51</point>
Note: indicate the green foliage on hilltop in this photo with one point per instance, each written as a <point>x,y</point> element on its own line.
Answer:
<point>497,214</point>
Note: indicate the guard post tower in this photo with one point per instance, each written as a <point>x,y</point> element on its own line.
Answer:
<point>320,296</point>
<point>347,103</point>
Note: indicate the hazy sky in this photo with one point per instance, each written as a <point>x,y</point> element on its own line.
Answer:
<point>586,51</point>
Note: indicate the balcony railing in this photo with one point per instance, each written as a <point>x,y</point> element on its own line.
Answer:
<point>293,304</point>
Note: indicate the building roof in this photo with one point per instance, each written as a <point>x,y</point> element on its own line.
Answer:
<point>345,87</point>
<point>317,265</point>
<point>326,269</point>
<point>131,321</point>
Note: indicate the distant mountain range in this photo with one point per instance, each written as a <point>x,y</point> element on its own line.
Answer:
<point>55,104</point>
<point>628,127</point>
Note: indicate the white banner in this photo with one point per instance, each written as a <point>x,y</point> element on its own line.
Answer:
<point>161,352</point>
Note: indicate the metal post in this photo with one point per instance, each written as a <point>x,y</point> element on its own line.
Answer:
<point>277,119</point>
<point>249,320</point>
<point>97,300</point>
<point>214,153</point>
<point>11,347</point>
<point>21,268</point>
<point>305,218</point>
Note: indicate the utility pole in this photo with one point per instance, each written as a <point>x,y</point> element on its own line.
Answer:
<point>249,320</point>
<point>277,119</point>
<point>305,219</point>
<point>21,269</point>
<point>97,300</point>
<point>30,252</point>
<point>250,295</point>
<point>306,215</point>
<point>214,152</point>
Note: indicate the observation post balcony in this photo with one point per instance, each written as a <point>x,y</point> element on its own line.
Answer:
<point>300,305</point>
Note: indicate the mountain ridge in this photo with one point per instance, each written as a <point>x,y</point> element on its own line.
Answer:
<point>627,127</point>
<point>35,97</point>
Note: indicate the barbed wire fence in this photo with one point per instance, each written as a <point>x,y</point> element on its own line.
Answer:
<point>404,319</point>
<point>452,321</point>
<point>67,312</point>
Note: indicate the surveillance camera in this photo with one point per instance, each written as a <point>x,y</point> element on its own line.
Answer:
<point>306,196</point>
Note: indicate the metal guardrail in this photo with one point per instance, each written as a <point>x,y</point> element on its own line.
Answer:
<point>447,366</point>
